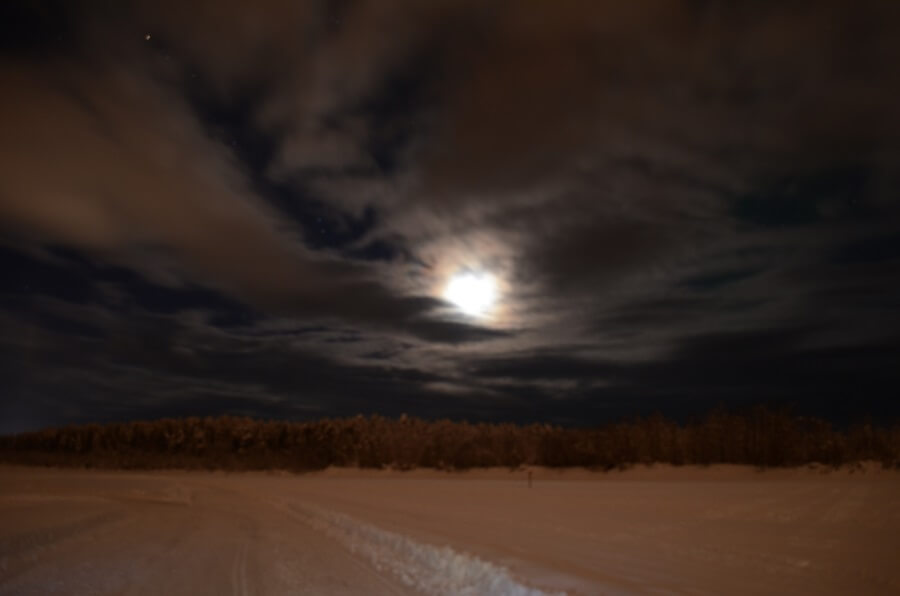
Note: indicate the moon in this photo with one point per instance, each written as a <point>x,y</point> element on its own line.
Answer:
<point>473,293</point>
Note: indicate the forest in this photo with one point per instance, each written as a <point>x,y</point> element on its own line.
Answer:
<point>759,437</point>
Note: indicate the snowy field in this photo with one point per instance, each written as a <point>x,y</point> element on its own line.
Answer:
<point>720,530</point>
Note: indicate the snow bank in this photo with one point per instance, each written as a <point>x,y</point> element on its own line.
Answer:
<point>423,567</point>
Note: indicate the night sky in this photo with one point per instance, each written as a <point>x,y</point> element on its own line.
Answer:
<point>256,208</point>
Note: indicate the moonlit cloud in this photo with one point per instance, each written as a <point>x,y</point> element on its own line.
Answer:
<point>262,209</point>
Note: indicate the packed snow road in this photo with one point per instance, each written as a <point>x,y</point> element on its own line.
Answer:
<point>692,531</point>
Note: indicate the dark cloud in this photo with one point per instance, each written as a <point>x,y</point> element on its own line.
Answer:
<point>769,366</point>
<point>680,200</point>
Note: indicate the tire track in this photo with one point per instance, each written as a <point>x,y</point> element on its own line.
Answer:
<point>387,587</point>
<point>423,567</point>
<point>239,586</point>
<point>22,552</point>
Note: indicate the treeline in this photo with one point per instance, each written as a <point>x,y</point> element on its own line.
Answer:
<point>758,437</point>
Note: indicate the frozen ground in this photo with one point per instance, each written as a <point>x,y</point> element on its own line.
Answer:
<point>719,530</point>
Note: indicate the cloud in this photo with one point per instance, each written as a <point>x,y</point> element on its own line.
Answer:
<point>652,185</point>
<point>114,163</point>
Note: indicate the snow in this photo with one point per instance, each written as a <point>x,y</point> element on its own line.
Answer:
<point>662,530</point>
<point>429,569</point>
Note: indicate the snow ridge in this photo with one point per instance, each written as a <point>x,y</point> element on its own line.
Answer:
<point>423,567</point>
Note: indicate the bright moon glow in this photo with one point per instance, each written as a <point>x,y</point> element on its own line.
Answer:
<point>474,294</point>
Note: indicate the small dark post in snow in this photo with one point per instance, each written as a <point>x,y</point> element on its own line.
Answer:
<point>529,478</point>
